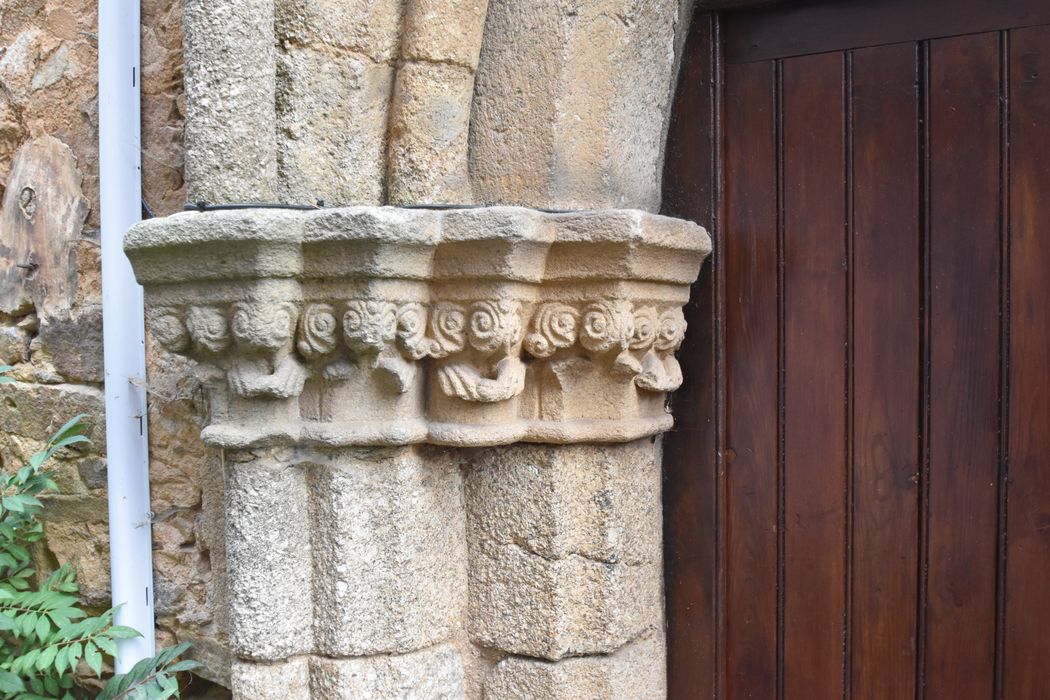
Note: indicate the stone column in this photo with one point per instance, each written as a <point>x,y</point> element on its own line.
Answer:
<point>368,373</point>
<point>231,122</point>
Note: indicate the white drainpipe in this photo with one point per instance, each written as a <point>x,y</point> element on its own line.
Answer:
<point>120,192</point>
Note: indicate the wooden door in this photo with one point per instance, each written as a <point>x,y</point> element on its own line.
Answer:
<point>858,490</point>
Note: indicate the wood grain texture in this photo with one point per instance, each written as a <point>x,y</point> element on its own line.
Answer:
<point>964,211</point>
<point>885,364</point>
<point>692,468</point>
<point>750,240</point>
<point>1027,645</point>
<point>886,321</point>
<point>814,375</point>
<point>801,28</point>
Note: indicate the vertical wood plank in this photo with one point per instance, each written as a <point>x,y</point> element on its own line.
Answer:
<point>814,375</point>
<point>964,224</point>
<point>885,184</point>
<point>750,240</point>
<point>692,528</point>
<point>1027,645</point>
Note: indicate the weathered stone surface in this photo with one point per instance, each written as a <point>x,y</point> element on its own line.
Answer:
<point>72,345</point>
<point>636,672</point>
<point>186,485</point>
<point>430,113</point>
<point>444,32</point>
<point>389,551</point>
<point>268,550</point>
<point>332,115</point>
<point>274,681</point>
<point>565,547</point>
<point>81,538</point>
<point>48,85</point>
<point>571,103</point>
<point>14,345</point>
<point>525,604</point>
<point>333,311</point>
<point>429,123</point>
<point>36,411</point>
<point>367,27</point>
<point>431,674</point>
<point>163,106</point>
<point>601,502</point>
<point>43,212</point>
<point>231,122</point>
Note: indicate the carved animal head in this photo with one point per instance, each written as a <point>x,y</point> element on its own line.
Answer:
<point>369,326</point>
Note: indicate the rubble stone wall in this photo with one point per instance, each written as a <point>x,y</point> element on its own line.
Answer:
<point>51,315</point>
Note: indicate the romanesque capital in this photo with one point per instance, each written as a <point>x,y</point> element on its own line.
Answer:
<point>389,326</point>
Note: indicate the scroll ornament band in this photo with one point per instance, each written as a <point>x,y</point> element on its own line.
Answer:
<point>479,351</point>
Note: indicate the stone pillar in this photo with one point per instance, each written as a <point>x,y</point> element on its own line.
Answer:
<point>231,123</point>
<point>440,432</point>
<point>572,99</point>
<point>430,114</point>
<point>335,73</point>
<point>566,563</point>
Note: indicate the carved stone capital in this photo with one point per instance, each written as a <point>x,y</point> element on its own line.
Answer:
<point>379,325</point>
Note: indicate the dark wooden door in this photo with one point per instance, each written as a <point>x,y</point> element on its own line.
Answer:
<point>858,490</point>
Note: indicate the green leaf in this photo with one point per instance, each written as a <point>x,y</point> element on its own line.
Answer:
<point>93,658</point>
<point>47,657</point>
<point>62,660</point>
<point>122,632</point>
<point>185,665</point>
<point>107,645</point>
<point>18,551</point>
<point>13,503</point>
<point>43,627</point>
<point>28,624</point>
<point>10,683</point>
<point>30,501</point>
<point>66,429</point>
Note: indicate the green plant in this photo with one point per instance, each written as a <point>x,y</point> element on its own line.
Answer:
<point>44,633</point>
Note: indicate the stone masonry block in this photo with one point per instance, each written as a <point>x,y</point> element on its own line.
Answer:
<point>367,27</point>
<point>430,119</point>
<point>389,553</point>
<point>268,555</point>
<point>601,502</point>
<point>564,547</point>
<point>525,604</point>
<point>276,681</point>
<point>444,32</point>
<point>231,130</point>
<point>37,410</point>
<point>431,674</point>
<point>636,672</point>
<point>572,101</point>
<point>332,117</point>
